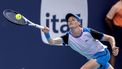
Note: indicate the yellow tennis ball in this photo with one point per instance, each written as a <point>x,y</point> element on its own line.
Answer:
<point>18,16</point>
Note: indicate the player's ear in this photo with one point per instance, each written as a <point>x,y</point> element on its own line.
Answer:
<point>79,24</point>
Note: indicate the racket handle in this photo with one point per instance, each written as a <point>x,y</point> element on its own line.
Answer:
<point>37,26</point>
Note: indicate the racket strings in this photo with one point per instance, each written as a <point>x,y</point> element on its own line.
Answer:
<point>10,15</point>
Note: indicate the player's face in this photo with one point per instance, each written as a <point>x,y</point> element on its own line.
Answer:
<point>72,22</point>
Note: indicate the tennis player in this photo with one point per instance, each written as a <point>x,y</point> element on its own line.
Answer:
<point>86,41</point>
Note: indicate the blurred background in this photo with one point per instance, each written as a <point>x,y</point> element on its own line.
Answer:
<point>22,47</point>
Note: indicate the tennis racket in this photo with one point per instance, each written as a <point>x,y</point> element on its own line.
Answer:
<point>11,16</point>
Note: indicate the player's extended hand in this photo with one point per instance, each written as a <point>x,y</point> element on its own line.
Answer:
<point>115,51</point>
<point>45,30</point>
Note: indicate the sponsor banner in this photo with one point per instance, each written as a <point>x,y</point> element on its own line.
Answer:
<point>52,15</point>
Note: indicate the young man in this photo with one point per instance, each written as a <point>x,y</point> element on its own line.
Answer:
<point>114,22</point>
<point>86,42</point>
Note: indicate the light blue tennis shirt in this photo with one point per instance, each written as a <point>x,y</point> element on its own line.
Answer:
<point>87,43</point>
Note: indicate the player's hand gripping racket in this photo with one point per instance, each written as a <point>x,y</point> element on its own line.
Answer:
<point>11,16</point>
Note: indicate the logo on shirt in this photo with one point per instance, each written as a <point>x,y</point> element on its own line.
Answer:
<point>52,15</point>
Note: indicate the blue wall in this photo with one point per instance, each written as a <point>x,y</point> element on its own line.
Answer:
<point>22,48</point>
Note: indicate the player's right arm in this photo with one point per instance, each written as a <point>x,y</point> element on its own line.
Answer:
<point>50,40</point>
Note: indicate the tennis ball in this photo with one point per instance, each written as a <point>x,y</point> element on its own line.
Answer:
<point>18,16</point>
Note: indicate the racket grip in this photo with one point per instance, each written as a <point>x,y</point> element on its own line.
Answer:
<point>37,26</point>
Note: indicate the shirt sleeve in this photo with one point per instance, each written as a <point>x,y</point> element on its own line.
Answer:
<point>65,39</point>
<point>96,35</point>
<point>112,12</point>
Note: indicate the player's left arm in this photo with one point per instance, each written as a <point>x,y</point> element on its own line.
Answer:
<point>104,37</point>
<point>112,42</point>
